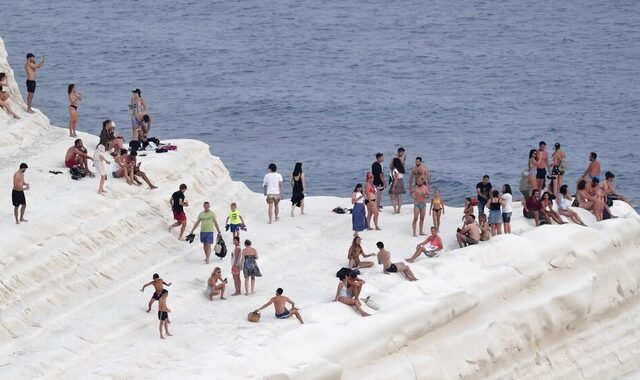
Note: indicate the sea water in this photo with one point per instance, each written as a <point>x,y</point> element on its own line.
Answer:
<point>468,86</point>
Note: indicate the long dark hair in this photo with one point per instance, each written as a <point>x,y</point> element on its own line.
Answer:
<point>297,169</point>
<point>70,88</point>
<point>357,186</point>
<point>532,152</point>
<point>507,189</point>
<point>397,164</point>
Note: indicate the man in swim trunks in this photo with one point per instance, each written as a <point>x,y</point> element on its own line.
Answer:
<point>469,234</point>
<point>431,247</point>
<point>17,194</point>
<point>420,193</point>
<point>178,203</point>
<point>30,67</point>
<point>273,189</point>
<point>157,283</point>
<point>208,219</point>
<point>543,164</point>
<point>279,302</point>
<point>163,313</point>
<point>593,170</point>
<point>420,170</point>
<point>77,155</point>
<point>384,258</point>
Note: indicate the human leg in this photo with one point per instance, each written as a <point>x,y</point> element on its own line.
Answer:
<point>417,253</point>
<point>296,313</point>
<point>253,284</point>
<point>206,247</point>
<point>246,285</point>
<point>423,213</point>
<point>22,210</point>
<point>416,214</point>
<point>183,223</point>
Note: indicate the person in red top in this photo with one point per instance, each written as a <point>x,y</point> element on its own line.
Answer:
<point>531,206</point>
<point>431,247</point>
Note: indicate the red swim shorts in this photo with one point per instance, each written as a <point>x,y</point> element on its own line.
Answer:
<point>180,216</point>
<point>70,163</point>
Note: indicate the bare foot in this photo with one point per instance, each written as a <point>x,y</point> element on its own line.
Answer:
<point>422,234</point>
<point>246,294</point>
<point>23,220</point>
<point>222,298</point>
<point>414,234</point>
<point>366,314</point>
<point>30,111</point>
<point>180,238</point>
<point>153,187</point>
<point>169,334</point>
<point>252,292</point>
<point>17,222</point>
<point>161,337</point>
<point>378,229</point>
<point>172,227</point>
<point>408,260</point>
<point>277,218</point>
<point>269,221</point>
<point>236,294</point>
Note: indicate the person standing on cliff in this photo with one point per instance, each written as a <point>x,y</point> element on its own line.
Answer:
<point>378,178</point>
<point>17,195</point>
<point>30,67</point>
<point>178,203</point>
<point>273,188</point>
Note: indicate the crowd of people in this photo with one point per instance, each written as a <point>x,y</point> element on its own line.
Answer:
<point>538,203</point>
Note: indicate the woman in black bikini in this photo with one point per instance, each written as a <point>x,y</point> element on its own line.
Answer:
<point>74,99</point>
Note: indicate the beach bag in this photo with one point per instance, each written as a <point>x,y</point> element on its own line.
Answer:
<point>254,317</point>
<point>220,248</point>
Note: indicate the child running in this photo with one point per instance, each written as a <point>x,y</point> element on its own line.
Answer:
<point>157,283</point>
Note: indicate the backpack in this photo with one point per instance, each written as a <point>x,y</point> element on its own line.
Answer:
<point>221,248</point>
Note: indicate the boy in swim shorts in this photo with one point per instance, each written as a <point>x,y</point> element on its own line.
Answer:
<point>163,313</point>
<point>157,283</point>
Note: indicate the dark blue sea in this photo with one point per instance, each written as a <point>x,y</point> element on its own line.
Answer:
<point>469,86</point>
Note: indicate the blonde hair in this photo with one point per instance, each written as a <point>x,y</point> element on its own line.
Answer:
<point>215,270</point>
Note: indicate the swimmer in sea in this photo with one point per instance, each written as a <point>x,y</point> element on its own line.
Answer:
<point>157,283</point>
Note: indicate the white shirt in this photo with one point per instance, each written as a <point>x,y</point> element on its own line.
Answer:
<point>507,205</point>
<point>272,181</point>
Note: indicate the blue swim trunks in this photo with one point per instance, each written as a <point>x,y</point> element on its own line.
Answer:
<point>234,227</point>
<point>206,237</point>
<point>284,315</point>
<point>420,206</point>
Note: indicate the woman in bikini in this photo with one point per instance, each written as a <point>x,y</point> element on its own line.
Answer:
<point>370,201</point>
<point>355,251</point>
<point>468,208</point>
<point>420,192</point>
<point>436,209</point>
<point>4,97</point>
<point>212,284</point>
<point>547,208</point>
<point>533,170</point>
<point>564,203</point>
<point>74,99</point>
<point>138,109</point>
<point>342,296</point>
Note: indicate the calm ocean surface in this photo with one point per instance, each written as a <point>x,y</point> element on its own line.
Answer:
<point>469,87</point>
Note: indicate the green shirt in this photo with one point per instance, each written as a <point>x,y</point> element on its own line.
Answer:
<point>206,221</point>
<point>234,217</point>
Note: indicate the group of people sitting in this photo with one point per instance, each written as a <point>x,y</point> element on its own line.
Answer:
<point>124,165</point>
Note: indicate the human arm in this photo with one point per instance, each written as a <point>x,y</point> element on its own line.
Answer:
<point>264,306</point>
<point>304,183</point>
<point>197,224</point>
<point>281,187</point>
<point>215,223</point>
<point>442,205</point>
<point>524,205</point>
<point>39,65</point>
<point>293,305</point>
<point>340,286</point>
<point>145,285</point>
<point>169,284</point>
<point>411,180</point>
